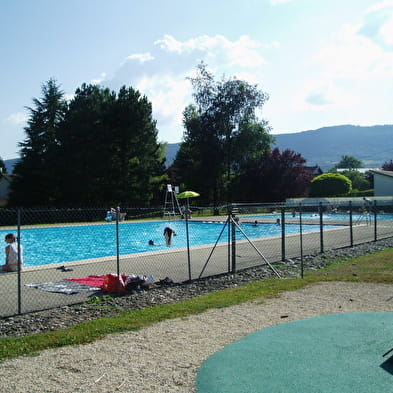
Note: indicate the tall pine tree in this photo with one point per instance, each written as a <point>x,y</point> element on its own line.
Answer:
<point>109,150</point>
<point>35,181</point>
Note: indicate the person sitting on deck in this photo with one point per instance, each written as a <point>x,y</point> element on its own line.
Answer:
<point>12,260</point>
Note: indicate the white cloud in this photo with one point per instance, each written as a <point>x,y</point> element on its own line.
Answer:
<point>351,67</point>
<point>324,95</point>
<point>166,93</point>
<point>142,57</point>
<point>170,44</point>
<point>386,31</point>
<point>318,98</point>
<point>378,23</point>
<point>350,54</point>
<point>97,81</point>
<point>161,73</point>
<point>380,6</point>
<point>244,52</point>
<point>17,118</point>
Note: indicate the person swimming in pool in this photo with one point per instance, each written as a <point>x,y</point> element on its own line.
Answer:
<point>168,234</point>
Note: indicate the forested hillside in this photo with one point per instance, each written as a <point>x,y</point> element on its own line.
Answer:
<point>324,147</point>
<point>372,145</point>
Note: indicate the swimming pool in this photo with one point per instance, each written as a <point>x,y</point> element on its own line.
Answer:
<point>58,244</point>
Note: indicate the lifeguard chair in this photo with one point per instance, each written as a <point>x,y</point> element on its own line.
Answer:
<point>171,204</point>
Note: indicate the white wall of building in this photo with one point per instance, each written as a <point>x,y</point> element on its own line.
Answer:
<point>383,185</point>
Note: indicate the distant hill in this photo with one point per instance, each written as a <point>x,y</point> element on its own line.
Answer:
<point>324,147</point>
<point>372,145</point>
<point>171,152</point>
<point>9,164</point>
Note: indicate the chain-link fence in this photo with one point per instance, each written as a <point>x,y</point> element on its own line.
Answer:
<point>67,253</point>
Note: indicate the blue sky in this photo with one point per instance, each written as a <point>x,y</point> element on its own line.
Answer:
<point>322,62</point>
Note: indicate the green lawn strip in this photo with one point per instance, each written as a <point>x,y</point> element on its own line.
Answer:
<point>369,268</point>
<point>376,267</point>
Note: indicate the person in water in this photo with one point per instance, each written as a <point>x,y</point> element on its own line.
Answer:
<point>168,234</point>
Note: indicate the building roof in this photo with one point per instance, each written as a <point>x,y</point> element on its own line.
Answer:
<point>383,173</point>
<point>315,170</point>
<point>361,170</point>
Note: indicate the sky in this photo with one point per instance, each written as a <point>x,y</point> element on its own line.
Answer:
<point>322,62</point>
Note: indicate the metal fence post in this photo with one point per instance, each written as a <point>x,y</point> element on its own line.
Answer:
<point>375,221</point>
<point>350,224</point>
<point>188,248</point>
<point>321,225</point>
<point>233,227</point>
<point>283,234</point>
<point>18,214</point>
<point>118,249</point>
<point>229,221</point>
<point>301,241</point>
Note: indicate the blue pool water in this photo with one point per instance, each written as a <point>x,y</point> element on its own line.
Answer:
<point>70,243</point>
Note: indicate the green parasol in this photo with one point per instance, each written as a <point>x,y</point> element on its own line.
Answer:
<point>186,195</point>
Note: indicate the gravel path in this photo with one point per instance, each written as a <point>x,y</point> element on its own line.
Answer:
<point>165,357</point>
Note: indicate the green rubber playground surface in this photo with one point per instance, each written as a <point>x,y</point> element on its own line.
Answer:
<point>339,353</point>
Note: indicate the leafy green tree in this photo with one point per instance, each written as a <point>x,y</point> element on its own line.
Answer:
<point>360,181</point>
<point>222,134</point>
<point>35,179</point>
<point>330,185</point>
<point>348,162</point>
<point>388,166</point>
<point>109,150</point>
<point>274,177</point>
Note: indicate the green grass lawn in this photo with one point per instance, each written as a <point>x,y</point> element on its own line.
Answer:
<point>377,267</point>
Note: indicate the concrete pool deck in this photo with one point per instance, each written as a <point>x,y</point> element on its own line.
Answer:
<point>171,263</point>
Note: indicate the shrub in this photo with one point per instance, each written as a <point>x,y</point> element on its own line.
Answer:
<point>362,193</point>
<point>330,185</point>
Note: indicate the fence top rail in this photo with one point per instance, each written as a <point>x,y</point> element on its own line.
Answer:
<point>342,201</point>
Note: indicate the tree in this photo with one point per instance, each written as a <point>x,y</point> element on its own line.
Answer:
<point>3,168</point>
<point>35,180</point>
<point>274,177</point>
<point>108,148</point>
<point>388,166</point>
<point>101,148</point>
<point>330,185</point>
<point>360,181</point>
<point>348,162</point>
<point>222,133</point>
